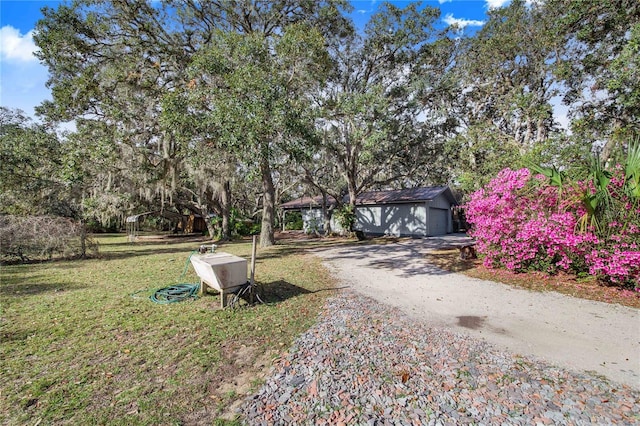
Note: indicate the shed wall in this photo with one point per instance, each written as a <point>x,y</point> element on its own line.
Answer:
<point>418,219</point>
<point>440,202</point>
<point>312,220</point>
<point>439,216</point>
<point>392,219</point>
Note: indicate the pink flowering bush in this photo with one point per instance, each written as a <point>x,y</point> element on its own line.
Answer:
<point>522,222</point>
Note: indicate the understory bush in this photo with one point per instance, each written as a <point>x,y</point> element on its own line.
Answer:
<point>527,222</point>
<point>27,238</point>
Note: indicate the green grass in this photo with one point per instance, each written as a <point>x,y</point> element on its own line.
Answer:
<point>77,348</point>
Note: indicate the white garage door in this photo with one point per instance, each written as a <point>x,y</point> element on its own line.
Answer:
<point>438,221</point>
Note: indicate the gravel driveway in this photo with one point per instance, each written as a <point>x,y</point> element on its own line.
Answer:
<point>575,333</point>
<point>408,344</point>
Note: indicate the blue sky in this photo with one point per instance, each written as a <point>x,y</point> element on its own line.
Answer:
<point>23,78</point>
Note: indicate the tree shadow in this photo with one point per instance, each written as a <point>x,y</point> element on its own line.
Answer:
<point>406,257</point>
<point>116,255</point>
<point>21,289</point>
<point>18,335</point>
<point>170,247</point>
<point>279,291</point>
<point>162,240</point>
<point>285,248</point>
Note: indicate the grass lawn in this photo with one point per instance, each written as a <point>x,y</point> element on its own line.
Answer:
<point>79,345</point>
<point>78,348</point>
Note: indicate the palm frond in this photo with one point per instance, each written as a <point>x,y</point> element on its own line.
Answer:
<point>556,177</point>
<point>632,169</point>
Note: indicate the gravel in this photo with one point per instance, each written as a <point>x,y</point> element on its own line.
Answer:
<point>364,363</point>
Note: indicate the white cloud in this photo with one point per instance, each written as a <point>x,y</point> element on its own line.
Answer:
<point>496,4</point>
<point>22,77</point>
<point>15,46</point>
<point>460,22</point>
<point>362,11</point>
<point>444,1</point>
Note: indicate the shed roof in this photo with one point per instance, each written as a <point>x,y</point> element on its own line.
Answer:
<point>165,213</point>
<point>306,202</point>
<point>404,195</point>
<point>409,195</point>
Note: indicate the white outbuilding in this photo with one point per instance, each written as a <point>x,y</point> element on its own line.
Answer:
<point>413,212</point>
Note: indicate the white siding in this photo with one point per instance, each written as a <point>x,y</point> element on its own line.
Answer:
<point>312,220</point>
<point>404,219</point>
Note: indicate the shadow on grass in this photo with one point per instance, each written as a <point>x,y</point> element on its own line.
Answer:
<point>279,291</point>
<point>292,247</point>
<point>21,289</point>
<point>71,262</point>
<point>196,241</point>
<point>15,336</point>
<point>185,246</point>
<point>117,255</point>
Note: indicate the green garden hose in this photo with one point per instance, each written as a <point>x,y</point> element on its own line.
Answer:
<point>177,292</point>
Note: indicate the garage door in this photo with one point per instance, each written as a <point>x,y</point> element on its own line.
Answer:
<point>438,221</point>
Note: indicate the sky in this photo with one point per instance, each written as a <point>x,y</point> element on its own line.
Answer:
<point>23,78</point>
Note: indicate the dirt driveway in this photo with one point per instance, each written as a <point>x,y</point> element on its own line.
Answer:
<point>578,334</point>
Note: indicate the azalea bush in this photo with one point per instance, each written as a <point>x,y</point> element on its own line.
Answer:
<point>524,222</point>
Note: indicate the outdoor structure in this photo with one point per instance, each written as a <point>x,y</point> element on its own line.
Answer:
<point>133,222</point>
<point>223,272</point>
<point>183,224</point>
<point>414,212</point>
<point>193,223</point>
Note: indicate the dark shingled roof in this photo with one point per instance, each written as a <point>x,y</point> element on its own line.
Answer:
<point>378,197</point>
<point>401,195</point>
<point>307,202</point>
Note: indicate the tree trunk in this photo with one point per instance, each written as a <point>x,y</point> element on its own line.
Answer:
<point>350,177</point>
<point>326,214</point>
<point>268,206</point>
<point>203,211</point>
<point>210,228</point>
<point>83,240</point>
<point>225,205</point>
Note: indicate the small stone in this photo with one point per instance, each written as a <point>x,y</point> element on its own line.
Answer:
<point>553,407</point>
<point>296,381</point>
<point>284,398</point>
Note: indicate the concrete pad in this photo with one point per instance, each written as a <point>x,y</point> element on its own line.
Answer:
<point>574,333</point>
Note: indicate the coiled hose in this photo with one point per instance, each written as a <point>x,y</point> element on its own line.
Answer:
<point>176,292</point>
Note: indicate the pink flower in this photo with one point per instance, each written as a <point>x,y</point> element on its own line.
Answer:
<point>521,223</point>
